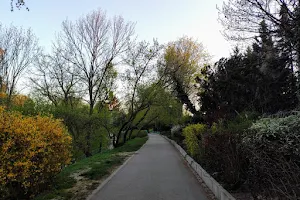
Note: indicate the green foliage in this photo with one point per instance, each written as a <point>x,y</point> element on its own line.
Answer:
<point>139,134</point>
<point>82,125</point>
<point>192,135</point>
<point>240,123</point>
<point>272,129</point>
<point>101,169</point>
<point>219,150</point>
<point>272,146</point>
<point>164,110</point>
<point>131,145</point>
<point>182,60</point>
<point>28,108</point>
<point>79,123</point>
<point>34,106</point>
<point>259,80</point>
<point>216,128</point>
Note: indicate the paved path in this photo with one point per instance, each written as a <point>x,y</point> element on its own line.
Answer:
<point>157,172</point>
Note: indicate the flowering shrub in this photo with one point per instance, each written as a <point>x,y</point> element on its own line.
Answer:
<point>16,100</point>
<point>273,148</point>
<point>32,150</point>
<point>19,100</point>
<point>192,140</point>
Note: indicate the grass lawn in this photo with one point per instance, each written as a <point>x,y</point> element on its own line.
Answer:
<point>79,179</point>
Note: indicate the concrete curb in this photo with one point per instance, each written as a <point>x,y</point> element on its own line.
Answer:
<point>113,174</point>
<point>210,182</point>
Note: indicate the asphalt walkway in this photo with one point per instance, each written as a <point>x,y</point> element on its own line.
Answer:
<point>157,172</point>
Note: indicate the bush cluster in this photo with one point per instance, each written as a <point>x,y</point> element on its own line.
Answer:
<point>32,151</point>
<point>273,149</point>
<point>264,155</point>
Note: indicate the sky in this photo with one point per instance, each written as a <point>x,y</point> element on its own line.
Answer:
<point>165,20</point>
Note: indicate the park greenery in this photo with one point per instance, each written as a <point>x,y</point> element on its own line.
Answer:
<point>238,117</point>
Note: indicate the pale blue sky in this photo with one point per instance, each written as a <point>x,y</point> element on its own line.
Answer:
<point>166,20</point>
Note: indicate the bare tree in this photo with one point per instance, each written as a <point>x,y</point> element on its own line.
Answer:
<point>20,50</point>
<point>241,19</point>
<point>55,78</point>
<point>18,4</point>
<point>93,45</point>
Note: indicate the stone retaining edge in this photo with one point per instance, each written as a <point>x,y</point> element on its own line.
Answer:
<point>211,183</point>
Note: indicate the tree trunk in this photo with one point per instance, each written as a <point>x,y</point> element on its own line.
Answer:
<point>130,134</point>
<point>184,98</point>
<point>100,146</point>
<point>125,136</point>
<point>88,152</point>
<point>120,132</point>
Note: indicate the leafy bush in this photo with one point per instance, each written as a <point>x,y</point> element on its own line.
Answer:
<point>32,151</point>
<point>192,135</point>
<point>273,148</point>
<point>219,151</point>
<point>224,158</point>
<point>176,134</point>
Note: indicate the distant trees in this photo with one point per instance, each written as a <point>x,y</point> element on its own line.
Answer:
<point>165,109</point>
<point>141,60</point>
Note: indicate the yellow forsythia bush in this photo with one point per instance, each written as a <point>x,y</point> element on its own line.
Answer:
<point>32,150</point>
<point>191,140</point>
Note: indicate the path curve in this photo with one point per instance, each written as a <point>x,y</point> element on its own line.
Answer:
<point>157,172</point>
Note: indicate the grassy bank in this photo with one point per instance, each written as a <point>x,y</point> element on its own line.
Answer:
<point>79,179</point>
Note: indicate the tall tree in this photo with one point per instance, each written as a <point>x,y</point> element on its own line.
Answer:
<point>278,83</point>
<point>94,44</point>
<point>240,18</point>
<point>241,21</point>
<point>19,50</point>
<point>258,80</point>
<point>181,61</point>
<point>228,88</point>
